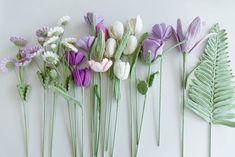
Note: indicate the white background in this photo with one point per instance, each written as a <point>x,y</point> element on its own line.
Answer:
<point>23,17</point>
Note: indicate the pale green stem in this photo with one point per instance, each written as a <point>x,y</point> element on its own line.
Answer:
<point>52,124</point>
<point>44,123</point>
<point>105,115</point>
<point>71,128</point>
<point>26,129</point>
<point>83,103</point>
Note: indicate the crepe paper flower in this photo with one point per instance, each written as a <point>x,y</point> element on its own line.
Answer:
<point>85,43</point>
<point>32,52</point>
<point>151,49</point>
<point>23,61</point>
<point>116,30</point>
<point>131,45</point>
<point>135,25</point>
<point>42,32</point>
<point>51,40</point>
<point>97,19</point>
<point>70,40</point>
<point>18,41</point>
<point>121,69</point>
<point>50,57</point>
<point>75,58</point>
<point>7,64</point>
<point>102,66</point>
<point>56,31</point>
<point>69,46</point>
<point>63,21</point>
<point>161,32</point>
<point>110,47</point>
<point>82,77</point>
<point>101,27</point>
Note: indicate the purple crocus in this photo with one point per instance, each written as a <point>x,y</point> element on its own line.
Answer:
<point>18,41</point>
<point>151,49</point>
<point>192,37</point>
<point>90,16</point>
<point>101,27</point>
<point>161,32</point>
<point>82,77</point>
<point>85,43</point>
<point>75,58</point>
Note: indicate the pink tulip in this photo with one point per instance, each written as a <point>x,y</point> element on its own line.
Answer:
<point>102,66</point>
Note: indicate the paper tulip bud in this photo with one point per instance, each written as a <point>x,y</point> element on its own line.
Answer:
<point>110,47</point>
<point>131,45</point>
<point>135,25</point>
<point>161,31</point>
<point>121,69</point>
<point>101,27</point>
<point>102,66</point>
<point>75,58</point>
<point>82,77</point>
<point>116,30</point>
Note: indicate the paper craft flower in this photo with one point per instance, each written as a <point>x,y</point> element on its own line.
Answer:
<point>101,27</point>
<point>89,16</point>
<point>161,32</point>
<point>151,49</point>
<point>7,64</point>
<point>135,25</point>
<point>63,21</point>
<point>131,45</point>
<point>82,77</point>
<point>41,35</point>
<point>18,41</point>
<point>102,66</point>
<point>51,40</point>
<point>121,69</point>
<point>75,58</point>
<point>116,30</point>
<point>56,31</point>
<point>32,52</point>
<point>23,62</point>
<point>50,57</point>
<point>85,43</point>
<point>110,47</point>
<point>69,46</point>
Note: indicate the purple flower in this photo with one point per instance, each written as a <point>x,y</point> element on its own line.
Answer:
<point>82,77</point>
<point>90,16</point>
<point>75,58</point>
<point>7,64</point>
<point>85,43</point>
<point>161,32</point>
<point>151,49</point>
<point>23,61</point>
<point>42,32</point>
<point>192,35</point>
<point>101,27</point>
<point>32,52</point>
<point>18,41</point>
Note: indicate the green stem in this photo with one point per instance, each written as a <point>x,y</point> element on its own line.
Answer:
<point>44,123</point>
<point>105,115</point>
<point>83,103</point>
<point>131,119</point>
<point>210,138</point>
<point>26,129</point>
<point>71,127</point>
<point>52,124</point>
<point>136,109</point>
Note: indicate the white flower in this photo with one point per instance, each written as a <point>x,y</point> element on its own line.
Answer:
<point>70,40</point>
<point>110,47</point>
<point>70,46</point>
<point>131,45</point>
<point>56,31</point>
<point>121,69</point>
<point>102,66</point>
<point>63,21</point>
<point>50,57</point>
<point>51,40</point>
<point>135,25</point>
<point>116,30</point>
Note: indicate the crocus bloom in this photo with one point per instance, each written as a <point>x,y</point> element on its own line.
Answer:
<point>116,30</point>
<point>102,66</point>
<point>110,47</point>
<point>101,27</point>
<point>85,43</point>
<point>161,31</point>
<point>75,58</point>
<point>135,25</point>
<point>82,77</point>
<point>151,49</point>
<point>131,45</point>
<point>7,64</point>
<point>18,41</point>
<point>121,69</point>
<point>192,35</point>
<point>89,16</point>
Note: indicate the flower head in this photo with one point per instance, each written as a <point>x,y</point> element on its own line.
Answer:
<point>90,16</point>
<point>121,69</point>
<point>131,45</point>
<point>102,66</point>
<point>63,21</point>
<point>110,47</point>
<point>18,41</point>
<point>135,25</point>
<point>75,58</point>
<point>51,40</point>
<point>82,77</point>
<point>7,64</point>
<point>161,32</point>
<point>69,46</point>
<point>116,30</point>
<point>23,61</point>
<point>101,27</point>
<point>32,52</point>
<point>56,31</point>
<point>42,32</point>
<point>50,57</point>
<point>85,43</point>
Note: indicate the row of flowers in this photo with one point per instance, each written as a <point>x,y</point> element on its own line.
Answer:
<point>67,63</point>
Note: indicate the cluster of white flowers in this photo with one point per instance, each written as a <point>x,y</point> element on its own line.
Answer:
<point>70,46</point>
<point>70,40</point>
<point>55,31</point>
<point>51,40</point>
<point>50,57</point>
<point>63,21</point>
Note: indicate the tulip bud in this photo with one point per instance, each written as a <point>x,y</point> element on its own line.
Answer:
<point>102,66</point>
<point>121,69</point>
<point>110,47</point>
<point>82,77</point>
<point>116,30</point>
<point>135,25</point>
<point>131,45</point>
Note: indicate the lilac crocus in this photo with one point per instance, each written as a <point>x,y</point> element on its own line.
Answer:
<point>85,43</point>
<point>151,49</point>
<point>192,37</point>
<point>82,77</point>
<point>102,27</point>
<point>90,16</point>
<point>75,58</point>
<point>18,41</point>
<point>161,32</point>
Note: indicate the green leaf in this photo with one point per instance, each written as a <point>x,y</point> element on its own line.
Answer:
<point>142,87</point>
<point>151,78</point>
<point>210,91</point>
<point>100,47</point>
<point>117,89</point>
<point>97,91</point>
<point>122,45</point>
<point>92,55</point>
<point>68,83</point>
<point>24,91</point>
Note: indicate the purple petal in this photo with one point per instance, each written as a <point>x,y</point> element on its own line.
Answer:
<point>7,64</point>
<point>85,43</point>
<point>75,58</point>
<point>101,27</point>
<point>18,41</point>
<point>194,29</point>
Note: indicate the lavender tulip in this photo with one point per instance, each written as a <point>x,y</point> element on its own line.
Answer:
<point>85,43</point>
<point>161,32</point>
<point>75,58</point>
<point>88,18</point>
<point>101,27</point>
<point>82,77</point>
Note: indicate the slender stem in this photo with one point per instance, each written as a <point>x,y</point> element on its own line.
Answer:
<point>131,119</point>
<point>52,124</point>
<point>83,103</point>
<point>99,116</point>
<point>160,104</point>
<point>26,129</point>
<point>71,127</point>
<point>210,138</point>
<point>183,106</point>
<point>44,123</point>
<point>105,115</point>
<point>136,109</point>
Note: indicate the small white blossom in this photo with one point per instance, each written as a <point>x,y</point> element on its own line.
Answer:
<point>70,46</point>
<point>51,40</point>
<point>56,31</point>
<point>70,40</point>
<point>63,21</point>
<point>50,57</point>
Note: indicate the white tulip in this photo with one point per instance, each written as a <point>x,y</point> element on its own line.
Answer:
<point>110,47</point>
<point>116,30</point>
<point>121,69</point>
<point>135,25</point>
<point>131,45</point>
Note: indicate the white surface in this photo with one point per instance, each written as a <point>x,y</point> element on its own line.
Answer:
<point>23,17</point>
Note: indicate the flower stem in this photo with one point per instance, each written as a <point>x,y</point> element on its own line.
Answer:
<point>71,128</point>
<point>26,129</point>
<point>44,123</point>
<point>52,124</point>
<point>83,103</point>
<point>105,115</point>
